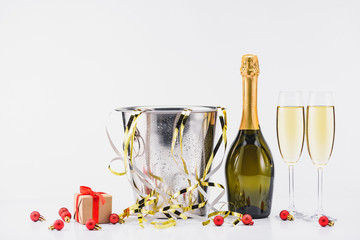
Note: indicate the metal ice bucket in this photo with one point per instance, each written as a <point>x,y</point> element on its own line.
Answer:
<point>152,149</point>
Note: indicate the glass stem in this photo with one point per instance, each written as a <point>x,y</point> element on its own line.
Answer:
<point>320,190</point>
<point>291,188</point>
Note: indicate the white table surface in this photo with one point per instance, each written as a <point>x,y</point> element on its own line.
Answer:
<point>16,224</point>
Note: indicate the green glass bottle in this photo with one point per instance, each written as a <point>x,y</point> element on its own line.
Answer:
<point>249,166</point>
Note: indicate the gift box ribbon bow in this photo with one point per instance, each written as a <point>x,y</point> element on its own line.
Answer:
<point>96,197</point>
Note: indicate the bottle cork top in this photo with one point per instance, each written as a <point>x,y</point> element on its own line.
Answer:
<point>249,65</point>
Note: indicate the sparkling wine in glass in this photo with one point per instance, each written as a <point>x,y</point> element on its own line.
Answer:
<point>290,127</point>
<point>320,135</point>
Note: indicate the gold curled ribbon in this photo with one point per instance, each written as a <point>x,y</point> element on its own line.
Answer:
<point>127,139</point>
<point>166,224</point>
<point>225,215</point>
<point>129,135</point>
<point>179,127</point>
<point>153,197</point>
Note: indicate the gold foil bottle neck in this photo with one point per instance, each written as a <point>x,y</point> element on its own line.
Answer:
<point>250,72</point>
<point>249,66</point>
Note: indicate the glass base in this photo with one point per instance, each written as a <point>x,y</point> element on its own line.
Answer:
<point>297,214</point>
<point>315,217</point>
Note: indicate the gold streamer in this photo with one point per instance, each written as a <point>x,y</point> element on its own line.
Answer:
<point>166,224</point>
<point>226,214</point>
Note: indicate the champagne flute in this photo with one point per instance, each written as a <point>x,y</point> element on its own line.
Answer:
<point>290,127</point>
<point>320,134</point>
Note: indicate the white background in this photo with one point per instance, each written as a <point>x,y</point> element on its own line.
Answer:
<point>64,65</point>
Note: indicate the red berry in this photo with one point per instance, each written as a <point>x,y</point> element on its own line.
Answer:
<point>323,221</point>
<point>218,220</point>
<point>90,224</point>
<point>114,218</point>
<point>35,215</point>
<point>247,219</point>
<point>63,209</point>
<point>284,214</point>
<point>66,216</point>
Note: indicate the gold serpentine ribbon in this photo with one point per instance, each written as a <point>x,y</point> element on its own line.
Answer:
<point>129,136</point>
<point>179,127</point>
<point>152,198</point>
<point>226,214</point>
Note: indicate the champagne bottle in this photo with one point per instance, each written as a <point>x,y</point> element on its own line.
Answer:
<point>249,166</point>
